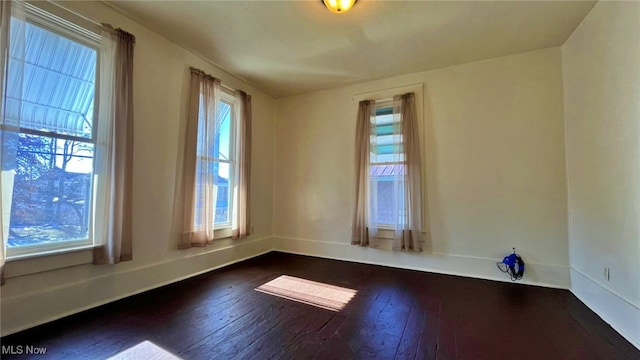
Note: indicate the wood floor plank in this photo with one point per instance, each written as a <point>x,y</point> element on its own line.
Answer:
<point>283,339</point>
<point>419,338</point>
<point>395,314</point>
<point>310,344</point>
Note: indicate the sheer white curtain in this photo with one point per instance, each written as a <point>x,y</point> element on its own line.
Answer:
<point>240,217</point>
<point>12,57</point>
<point>199,189</point>
<point>114,149</point>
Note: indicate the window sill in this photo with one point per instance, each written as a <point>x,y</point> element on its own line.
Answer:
<point>220,234</point>
<point>50,252</point>
<point>386,232</point>
<point>36,263</point>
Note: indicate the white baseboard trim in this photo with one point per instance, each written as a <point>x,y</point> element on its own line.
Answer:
<point>475,267</point>
<point>614,309</point>
<point>27,310</point>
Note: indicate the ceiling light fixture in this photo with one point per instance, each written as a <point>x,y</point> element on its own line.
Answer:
<point>339,6</point>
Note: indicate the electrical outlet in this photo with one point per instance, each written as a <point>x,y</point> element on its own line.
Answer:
<point>606,273</point>
<point>251,230</point>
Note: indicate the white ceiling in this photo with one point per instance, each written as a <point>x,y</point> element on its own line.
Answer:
<point>291,47</point>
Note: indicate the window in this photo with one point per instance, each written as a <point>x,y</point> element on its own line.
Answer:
<point>388,184</point>
<point>386,164</point>
<point>50,112</point>
<point>218,155</point>
<point>216,163</point>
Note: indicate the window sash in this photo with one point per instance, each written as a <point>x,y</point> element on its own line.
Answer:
<point>227,98</point>
<point>50,134</point>
<point>61,26</point>
<point>374,180</point>
<point>201,153</point>
<point>27,251</point>
<point>232,126</point>
<point>67,29</point>
<point>386,149</point>
<point>38,17</point>
<point>17,252</point>
<point>230,191</point>
<point>230,101</point>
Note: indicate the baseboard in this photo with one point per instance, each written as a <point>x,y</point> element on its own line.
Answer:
<point>26,310</point>
<point>619,313</point>
<point>475,267</point>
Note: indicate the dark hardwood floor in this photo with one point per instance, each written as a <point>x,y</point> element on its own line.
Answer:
<point>396,314</point>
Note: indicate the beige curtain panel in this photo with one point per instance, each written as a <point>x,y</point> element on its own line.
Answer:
<point>199,190</point>
<point>408,230</point>
<point>198,182</point>
<point>360,222</point>
<point>240,221</point>
<point>389,204</point>
<point>117,245</point>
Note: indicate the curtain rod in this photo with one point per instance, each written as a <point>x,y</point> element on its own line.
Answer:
<point>400,89</point>
<point>227,87</point>
<point>232,89</point>
<point>377,101</point>
<point>221,84</point>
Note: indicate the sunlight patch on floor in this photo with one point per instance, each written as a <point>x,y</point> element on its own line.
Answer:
<point>145,350</point>
<point>314,293</point>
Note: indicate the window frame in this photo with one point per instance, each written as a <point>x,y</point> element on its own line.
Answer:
<point>386,96</point>
<point>223,230</point>
<point>382,105</point>
<point>229,98</point>
<point>54,19</point>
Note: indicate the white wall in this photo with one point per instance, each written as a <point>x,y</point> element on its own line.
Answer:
<point>160,100</point>
<point>600,63</point>
<point>495,169</point>
<point>495,164</point>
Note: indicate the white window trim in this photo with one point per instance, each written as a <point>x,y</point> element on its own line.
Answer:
<point>387,229</point>
<point>224,230</point>
<point>37,263</point>
<point>222,233</point>
<point>387,232</point>
<point>66,24</point>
